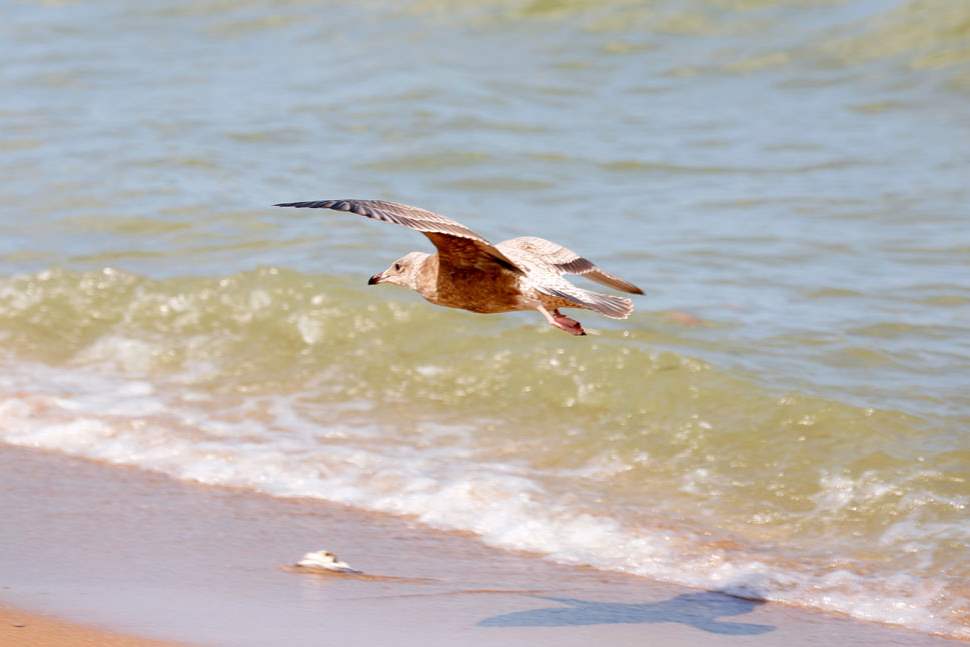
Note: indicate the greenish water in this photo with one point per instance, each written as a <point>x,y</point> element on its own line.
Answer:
<point>787,413</point>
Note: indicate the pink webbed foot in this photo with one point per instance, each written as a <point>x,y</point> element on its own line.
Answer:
<point>561,321</point>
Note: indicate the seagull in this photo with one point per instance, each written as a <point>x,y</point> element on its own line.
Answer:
<point>470,273</point>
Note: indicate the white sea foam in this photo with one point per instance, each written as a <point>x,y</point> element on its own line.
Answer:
<point>283,451</point>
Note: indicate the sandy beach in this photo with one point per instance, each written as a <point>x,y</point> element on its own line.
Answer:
<point>142,554</point>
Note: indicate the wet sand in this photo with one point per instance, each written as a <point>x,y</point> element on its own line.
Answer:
<point>146,555</point>
<point>19,628</point>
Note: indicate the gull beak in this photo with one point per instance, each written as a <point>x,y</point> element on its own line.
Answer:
<point>374,280</point>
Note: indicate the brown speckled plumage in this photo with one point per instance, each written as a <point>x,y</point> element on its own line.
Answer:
<point>470,273</point>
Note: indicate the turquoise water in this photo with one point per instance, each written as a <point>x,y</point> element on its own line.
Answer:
<point>786,180</point>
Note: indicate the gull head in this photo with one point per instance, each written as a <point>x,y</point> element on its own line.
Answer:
<point>403,271</point>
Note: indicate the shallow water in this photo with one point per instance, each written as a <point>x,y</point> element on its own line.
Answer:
<point>786,415</point>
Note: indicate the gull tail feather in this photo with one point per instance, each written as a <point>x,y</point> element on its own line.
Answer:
<point>605,304</point>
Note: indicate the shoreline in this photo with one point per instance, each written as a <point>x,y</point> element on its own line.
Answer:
<point>143,554</point>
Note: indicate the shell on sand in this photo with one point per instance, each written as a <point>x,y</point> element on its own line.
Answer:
<point>327,561</point>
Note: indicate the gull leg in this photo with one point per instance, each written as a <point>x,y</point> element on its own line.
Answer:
<point>561,321</point>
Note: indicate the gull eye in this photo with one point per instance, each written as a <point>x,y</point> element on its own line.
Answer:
<point>397,267</point>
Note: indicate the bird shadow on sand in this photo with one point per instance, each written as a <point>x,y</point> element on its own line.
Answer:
<point>699,610</point>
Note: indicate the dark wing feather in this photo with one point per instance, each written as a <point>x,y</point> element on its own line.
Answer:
<point>566,261</point>
<point>456,243</point>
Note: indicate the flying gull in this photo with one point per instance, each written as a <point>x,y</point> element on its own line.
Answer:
<point>470,273</point>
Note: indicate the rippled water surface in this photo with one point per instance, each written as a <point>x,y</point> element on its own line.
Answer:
<point>786,415</point>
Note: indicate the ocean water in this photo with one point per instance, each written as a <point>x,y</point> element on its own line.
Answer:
<point>787,414</point>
